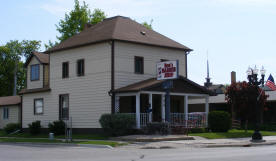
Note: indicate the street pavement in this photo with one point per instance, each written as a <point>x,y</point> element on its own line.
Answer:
<point>18,152</point>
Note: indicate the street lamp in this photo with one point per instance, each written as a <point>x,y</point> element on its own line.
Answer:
<point>252,76</point>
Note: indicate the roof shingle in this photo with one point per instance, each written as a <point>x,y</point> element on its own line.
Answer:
<point>118,28</point>
<point>10,100</point>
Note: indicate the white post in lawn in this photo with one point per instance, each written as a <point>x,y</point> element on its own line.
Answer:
<point>163,107</point>
<point>186,110</point>
<point>150,107</point>
<point>138,111</point>
<point>207,108</point>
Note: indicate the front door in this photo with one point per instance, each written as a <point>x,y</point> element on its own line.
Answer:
<point>156,108</point>
<point>64,107</point>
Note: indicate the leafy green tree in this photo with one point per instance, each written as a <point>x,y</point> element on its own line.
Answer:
<point>148,25</point>
<point>75,21</point>
<point>12,73</point>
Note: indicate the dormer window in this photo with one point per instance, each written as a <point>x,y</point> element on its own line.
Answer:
<point>35,72</point>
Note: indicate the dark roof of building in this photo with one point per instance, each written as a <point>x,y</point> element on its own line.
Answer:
<point>43,58</point>
<point>118,28</point>
<point>181,85</point>
<point>10,100</point>
<point>217,88</point>
<point>26,91</point>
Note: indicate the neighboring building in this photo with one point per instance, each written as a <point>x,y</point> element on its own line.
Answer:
<point>109,67</point>
<point>10,110</point>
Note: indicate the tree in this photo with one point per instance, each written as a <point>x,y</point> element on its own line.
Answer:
<point>242,97</point>
<point>13,76</point>
<point>148,25</point>
<point>75,21</point>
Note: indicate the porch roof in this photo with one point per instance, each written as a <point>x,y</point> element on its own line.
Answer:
<point>180,85</point>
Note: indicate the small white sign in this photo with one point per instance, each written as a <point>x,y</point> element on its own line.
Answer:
<point>167,70</point>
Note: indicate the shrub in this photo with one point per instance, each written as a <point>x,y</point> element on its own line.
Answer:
<point>57,127</point>
<point>162,128</point>
<point>34,127</point>
<point>117,124</point>
<point>11,127</point>
<point>198,130</point>
<point>219,121</point>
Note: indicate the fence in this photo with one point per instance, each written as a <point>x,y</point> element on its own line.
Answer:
<point>193,120</point>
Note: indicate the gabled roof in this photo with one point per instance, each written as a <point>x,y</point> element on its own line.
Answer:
<point>41,57</point>
<point>180,85</point>
<point>118,28</point>
<point>10,100</point>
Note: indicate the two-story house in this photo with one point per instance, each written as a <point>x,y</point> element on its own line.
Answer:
<point>107,68</point>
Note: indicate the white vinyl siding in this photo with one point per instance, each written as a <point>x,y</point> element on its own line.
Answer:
<point>88,95</point>
<point>14,115</point>
<point>124,61</point>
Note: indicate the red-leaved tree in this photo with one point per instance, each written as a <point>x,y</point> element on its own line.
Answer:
<point>242,97</point>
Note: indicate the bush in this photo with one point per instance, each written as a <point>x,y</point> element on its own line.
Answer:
<point>198,130</point>
<point>11,127</point>
<point>117,124</point>
<point>35,127</point>
<point>57,127</point>
<point>219,121</point>
<point>162,128</point>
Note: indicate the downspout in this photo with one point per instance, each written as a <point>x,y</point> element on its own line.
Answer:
<point>112,78</point>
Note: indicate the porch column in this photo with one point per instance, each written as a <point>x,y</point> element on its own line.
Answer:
<point>207,108</point>
<point>138,110</point>
<point>150,107</point>
<point>186,110</point>
<point>117,104</point>
<point>163,107</point>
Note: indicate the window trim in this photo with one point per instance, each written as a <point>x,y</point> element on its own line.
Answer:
<point>77,67</point>
<point>60,108</point>
<point>36,99</point>
<point>38,72</point>
<point>136,58</point>
<point>64,77</point>
<point>8,113</point>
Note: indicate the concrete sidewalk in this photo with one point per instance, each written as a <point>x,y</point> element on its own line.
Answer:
<point>200,142</point>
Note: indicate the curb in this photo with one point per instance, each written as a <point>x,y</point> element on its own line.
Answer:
<point>59,144</point>
<point>153,139</point>
<point>238,145</point>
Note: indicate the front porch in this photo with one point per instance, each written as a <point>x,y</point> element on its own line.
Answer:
<point>146,102</point>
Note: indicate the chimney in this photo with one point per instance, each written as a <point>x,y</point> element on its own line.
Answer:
<point>233,77</point>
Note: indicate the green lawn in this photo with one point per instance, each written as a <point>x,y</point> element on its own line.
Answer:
<point>34,140</point>
<point>231,134</point>
<point>42,138</point>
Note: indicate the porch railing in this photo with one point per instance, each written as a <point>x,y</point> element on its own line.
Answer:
<point>192,120</point>
<point>144,118</point>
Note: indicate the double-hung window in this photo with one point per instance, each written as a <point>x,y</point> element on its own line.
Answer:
<point>139,65</point>
<point>35,72</point>
<point>64,106</point>
<point>5,113</point>
<point>38,106</point>
<point>65,70</point>
<point>80,67</point>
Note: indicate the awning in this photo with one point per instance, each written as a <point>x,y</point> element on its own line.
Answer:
<point>180,85</point>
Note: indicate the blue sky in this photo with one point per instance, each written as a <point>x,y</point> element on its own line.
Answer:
<point>236,33</point>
